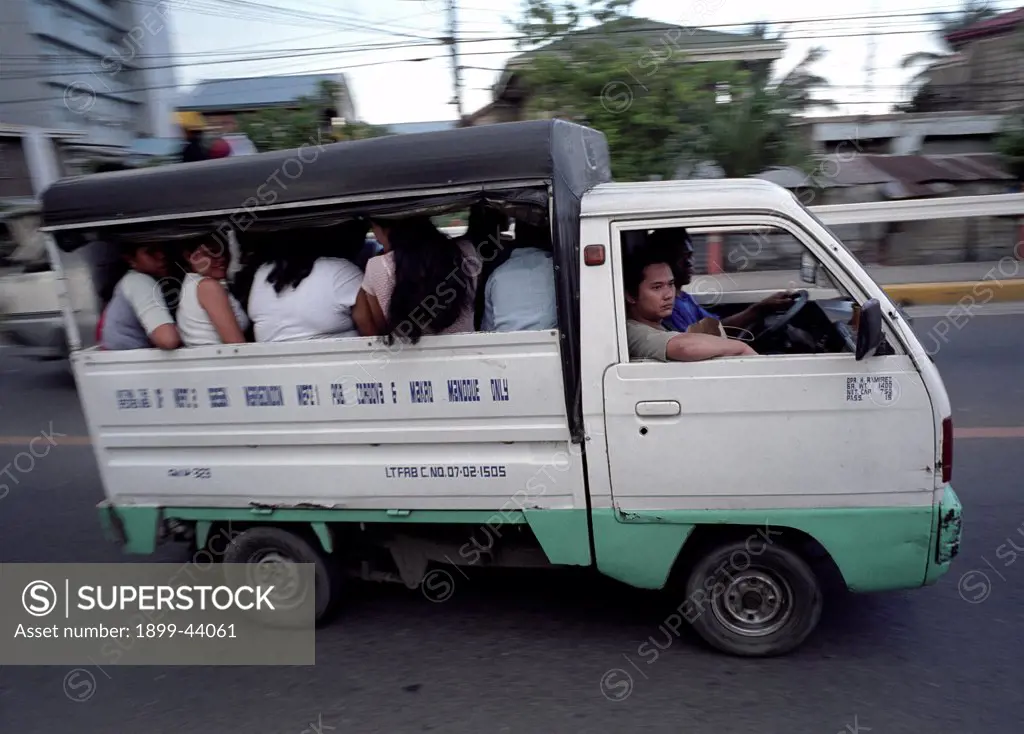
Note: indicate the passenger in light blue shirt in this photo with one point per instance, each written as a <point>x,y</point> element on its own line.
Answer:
<point>520,294</point>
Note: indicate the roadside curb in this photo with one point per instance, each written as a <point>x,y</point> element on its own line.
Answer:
<point>937,294</point>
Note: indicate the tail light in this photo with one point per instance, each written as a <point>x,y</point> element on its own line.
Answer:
<point>947,450</point>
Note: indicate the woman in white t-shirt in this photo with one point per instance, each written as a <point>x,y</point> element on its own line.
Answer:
<point>302,294</point>
<point>207,312</point>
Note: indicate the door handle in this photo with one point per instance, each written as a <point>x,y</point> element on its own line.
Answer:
<point>658,408</point>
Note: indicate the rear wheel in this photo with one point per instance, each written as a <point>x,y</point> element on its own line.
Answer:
<point>753,605</point>
<point>271,553</point>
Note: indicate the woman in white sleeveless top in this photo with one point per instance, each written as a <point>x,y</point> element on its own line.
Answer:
<point>207,312</point>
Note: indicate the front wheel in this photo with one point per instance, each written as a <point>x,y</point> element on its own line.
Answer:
<point>753,605</point>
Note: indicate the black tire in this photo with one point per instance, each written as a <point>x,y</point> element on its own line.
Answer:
<point>753,600</point>
<point>254,544</point>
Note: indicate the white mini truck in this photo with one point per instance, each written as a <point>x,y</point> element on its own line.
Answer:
<point>742,483</point>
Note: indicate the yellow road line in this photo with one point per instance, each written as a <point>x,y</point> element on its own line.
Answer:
<point>938,294</point>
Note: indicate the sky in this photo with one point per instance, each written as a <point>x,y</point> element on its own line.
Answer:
<point>301,36</point>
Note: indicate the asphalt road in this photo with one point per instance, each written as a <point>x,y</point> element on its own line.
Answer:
<point>526,652</point>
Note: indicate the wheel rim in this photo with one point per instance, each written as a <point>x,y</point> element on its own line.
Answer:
<point>755,603</point>
<point>271,566</point>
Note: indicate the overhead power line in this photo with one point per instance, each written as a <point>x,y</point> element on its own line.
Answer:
<point>689,47</point>
<point>318,51</point>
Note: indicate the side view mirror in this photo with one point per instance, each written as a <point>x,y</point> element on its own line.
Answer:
<point>808,268</point>
<point>869,329</point>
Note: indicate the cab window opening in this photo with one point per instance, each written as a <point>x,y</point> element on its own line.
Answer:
<point>755,297</point>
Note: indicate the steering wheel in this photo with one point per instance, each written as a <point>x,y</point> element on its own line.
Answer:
<point>777,323</point>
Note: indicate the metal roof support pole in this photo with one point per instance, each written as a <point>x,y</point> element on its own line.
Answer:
<point>66,307</point>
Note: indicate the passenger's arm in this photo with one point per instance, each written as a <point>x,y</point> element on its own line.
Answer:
<point>380,320</point>
<point>147,300</point>
<point>165,336</point>
<point>487,322</point>
<point>362,315</point>
<point>213,297</point>
<point>752,314</point>
<point>688,347</point>
<point>377,281</point>
<point>744,319</point>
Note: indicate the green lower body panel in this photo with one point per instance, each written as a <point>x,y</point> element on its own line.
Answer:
<point>875,549</point>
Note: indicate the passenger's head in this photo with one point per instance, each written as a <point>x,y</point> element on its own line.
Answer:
<point>649,284</point>
<point>293,256</point>
<point>381,230</point>
<point>207,255</point>
<point>149,259</point>
<point>532,235</point>
<point>431,279</point>
<point>676,246</point>
<point>485,223</point>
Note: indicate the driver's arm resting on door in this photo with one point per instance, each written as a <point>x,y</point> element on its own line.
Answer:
<point>646,342</point>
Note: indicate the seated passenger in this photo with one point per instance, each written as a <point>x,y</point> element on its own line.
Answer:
<point>304,293</point>
<point>207,312</point>
<point>676,246</point>
<point>137,316</point>
<point>423,283</point>
<point>650,294</point>
<point>484,233</point>
<point>520,294</point>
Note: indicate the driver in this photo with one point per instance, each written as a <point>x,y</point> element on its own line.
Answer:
<point>676,247</point>
<point>650,292</point>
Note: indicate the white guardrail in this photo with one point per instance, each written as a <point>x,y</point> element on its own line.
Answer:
<point>952,207</point>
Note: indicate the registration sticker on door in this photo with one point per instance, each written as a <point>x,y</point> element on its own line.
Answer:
<point>879,389</point>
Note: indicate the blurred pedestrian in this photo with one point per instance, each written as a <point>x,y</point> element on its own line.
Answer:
<point>194,149</point>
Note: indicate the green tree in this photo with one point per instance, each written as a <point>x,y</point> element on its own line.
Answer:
<point>596,65</point>
<point>758,126</point>
<point>648,127</point>
<point>281,129</point>
<point>308,120</point>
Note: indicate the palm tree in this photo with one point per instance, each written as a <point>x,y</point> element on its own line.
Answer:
<point>971,12</point>
<point>796,86</point>
<point>757,128</point>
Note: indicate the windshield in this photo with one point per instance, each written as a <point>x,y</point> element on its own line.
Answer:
<point>820,223</point>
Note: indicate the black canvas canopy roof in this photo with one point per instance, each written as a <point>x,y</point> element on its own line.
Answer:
<point>508,156</point>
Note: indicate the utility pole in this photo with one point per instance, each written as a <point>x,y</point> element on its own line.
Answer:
<point>451,40</point>
<point>869,64</point>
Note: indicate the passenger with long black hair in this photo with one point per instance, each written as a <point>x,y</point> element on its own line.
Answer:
<point>307,288</point>
<point>423,283</point>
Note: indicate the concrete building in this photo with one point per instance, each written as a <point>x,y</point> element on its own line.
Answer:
<point>903,133</point>
<point>986,71</point>
<point>99,67</point>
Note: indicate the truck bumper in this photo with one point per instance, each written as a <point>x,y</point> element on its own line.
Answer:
<point>947,535</point>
